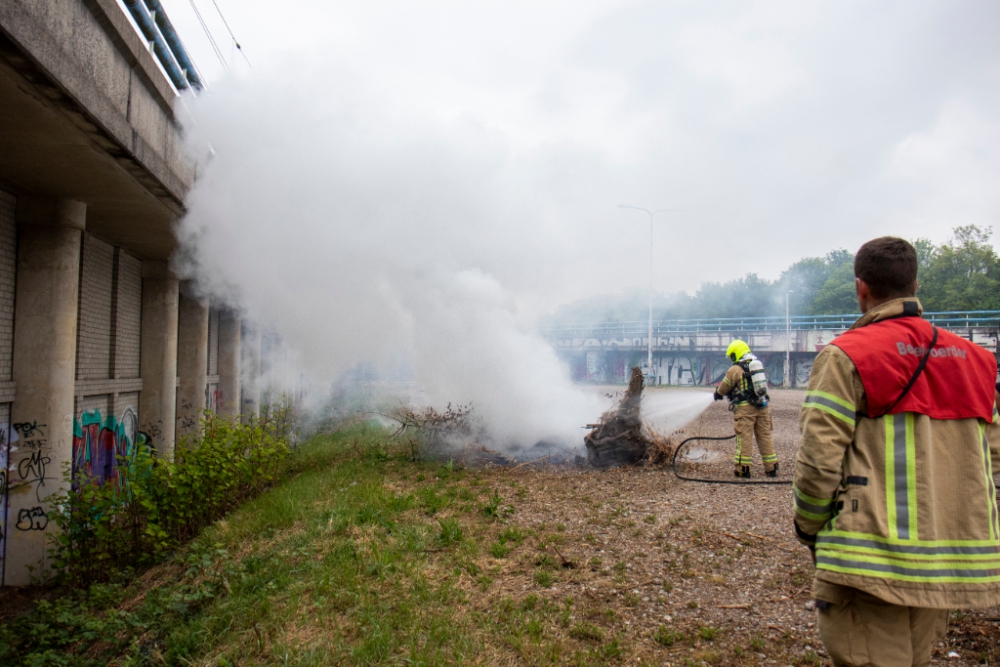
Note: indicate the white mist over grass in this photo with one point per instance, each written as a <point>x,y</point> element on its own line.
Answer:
<point>360,235</point>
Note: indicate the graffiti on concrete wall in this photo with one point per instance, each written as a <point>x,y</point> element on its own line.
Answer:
<point>102,445</point>
<point>213,397</point>
<point>718,369</point>
<point>26,463</point>
<point>802,370</point>
<point>683,370</point>
<point>620,368</point>
<point>774,367</point>
<point>4,474</point>
<point>679,370</point>
<point>596,368</point>
<point>32,470</point>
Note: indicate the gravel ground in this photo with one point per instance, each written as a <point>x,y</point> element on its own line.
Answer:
<point>682,573</point>
<point>718,564</point>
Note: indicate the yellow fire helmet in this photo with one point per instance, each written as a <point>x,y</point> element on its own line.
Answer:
<point>737,349</point>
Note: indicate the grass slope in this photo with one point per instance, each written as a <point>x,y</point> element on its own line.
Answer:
<point>362,557</point>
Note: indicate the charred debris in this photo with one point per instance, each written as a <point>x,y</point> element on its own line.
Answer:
<point>619,438</point>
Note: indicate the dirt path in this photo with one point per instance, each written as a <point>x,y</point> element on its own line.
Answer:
<point>716,563</point>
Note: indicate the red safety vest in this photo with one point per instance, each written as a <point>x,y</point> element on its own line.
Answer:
<point>957,382</point>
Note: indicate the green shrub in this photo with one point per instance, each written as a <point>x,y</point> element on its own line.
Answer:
<point>159,504</point>
<point>499,550</point>
<point>586,632</point>
<point>451,532</point>
<point>494,507</point>
<point>667,636</point>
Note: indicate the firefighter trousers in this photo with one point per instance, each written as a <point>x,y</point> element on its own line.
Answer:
<point>862,630</point>
<point>752,422</point>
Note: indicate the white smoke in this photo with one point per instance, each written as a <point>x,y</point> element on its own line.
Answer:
<point>359,233</point>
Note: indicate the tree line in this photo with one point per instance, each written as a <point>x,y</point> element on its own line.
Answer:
<point>960,274</point>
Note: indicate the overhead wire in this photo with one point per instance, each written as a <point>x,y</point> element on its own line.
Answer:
<point>208,33</point>
<point>235,41</point>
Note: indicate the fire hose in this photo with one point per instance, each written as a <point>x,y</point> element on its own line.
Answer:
<point>680,448</point>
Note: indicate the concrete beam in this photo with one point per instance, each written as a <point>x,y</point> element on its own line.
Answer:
<point>60,36</point>
<point>86,114</point>
<point>192,360</point>
<point>45,321</point>
<point>229,363</point>
<point>158,356</point>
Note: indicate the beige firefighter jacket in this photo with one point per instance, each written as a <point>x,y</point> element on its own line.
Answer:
<point>733,381</point>
<point>935,545</point>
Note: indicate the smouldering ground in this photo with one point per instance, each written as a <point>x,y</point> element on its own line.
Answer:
<point>366,557</point>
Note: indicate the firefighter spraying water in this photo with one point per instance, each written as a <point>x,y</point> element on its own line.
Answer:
<point>745,385</point>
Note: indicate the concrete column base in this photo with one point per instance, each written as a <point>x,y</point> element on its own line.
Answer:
<point>251,343</point>
<point>192,360</point>
<point>229,364</point>
<point>45,320</point>
<point>158,356</point>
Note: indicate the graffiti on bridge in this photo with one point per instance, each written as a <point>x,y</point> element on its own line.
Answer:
<point>32,519</point>
<point>4,476</point>
<point>102,445</point>
<point>185,420</point>
<point>33,465</point>
<point>681,370</point>
<point>29,429</point>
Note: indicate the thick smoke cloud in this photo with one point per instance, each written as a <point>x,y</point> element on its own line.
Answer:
<point>780,129</point>
<point>388,160</point>
<point>362,233</point>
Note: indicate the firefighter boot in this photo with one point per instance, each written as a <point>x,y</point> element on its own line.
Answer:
<point>743,471</point>
<point>773,472</point>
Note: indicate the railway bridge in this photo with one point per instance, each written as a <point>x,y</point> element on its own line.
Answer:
<point>692,352</point>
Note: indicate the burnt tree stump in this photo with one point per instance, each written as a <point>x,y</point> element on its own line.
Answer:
<point>619,439</point>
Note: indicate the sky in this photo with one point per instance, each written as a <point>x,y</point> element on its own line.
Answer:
<point>775,130</point>
<point>422,181</point>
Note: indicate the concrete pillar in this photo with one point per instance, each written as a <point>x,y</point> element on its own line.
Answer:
<point>45,318</point>
<point>158,356</point>
<point>229,363</point>
<point>250,380</point>
<point>192,360</point>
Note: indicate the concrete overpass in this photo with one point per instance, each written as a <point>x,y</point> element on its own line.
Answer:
<point>102,348</point>
<point>692,352</point>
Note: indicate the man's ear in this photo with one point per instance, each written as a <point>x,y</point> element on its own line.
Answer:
<point>916,286</point>
<point>862,288</point>
<point>864,294</point>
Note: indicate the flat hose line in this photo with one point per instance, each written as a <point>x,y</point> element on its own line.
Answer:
<point>680,447</point>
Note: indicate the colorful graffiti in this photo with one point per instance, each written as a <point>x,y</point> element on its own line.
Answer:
<point>4,458</point>
<point>101,446</point>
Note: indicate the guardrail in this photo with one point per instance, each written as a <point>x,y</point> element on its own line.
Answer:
<point>959,319</point>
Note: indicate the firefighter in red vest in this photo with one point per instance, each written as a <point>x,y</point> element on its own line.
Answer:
<point>893,486</point>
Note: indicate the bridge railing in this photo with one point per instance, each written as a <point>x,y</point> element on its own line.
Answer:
<point>959,319</point>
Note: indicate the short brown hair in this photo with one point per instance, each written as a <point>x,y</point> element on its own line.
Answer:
<point>889,265</point>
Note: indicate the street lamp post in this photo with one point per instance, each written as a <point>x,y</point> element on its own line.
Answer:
<point>649,356</point>
<point>788,342</point>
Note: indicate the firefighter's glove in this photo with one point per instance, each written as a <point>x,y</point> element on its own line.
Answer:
<point>717,396</point>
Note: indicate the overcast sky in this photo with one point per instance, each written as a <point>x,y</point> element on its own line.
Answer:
<point>777,130</point>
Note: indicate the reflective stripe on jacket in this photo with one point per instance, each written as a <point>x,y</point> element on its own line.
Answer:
<point>734,381</point>
<point>903,506</point>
